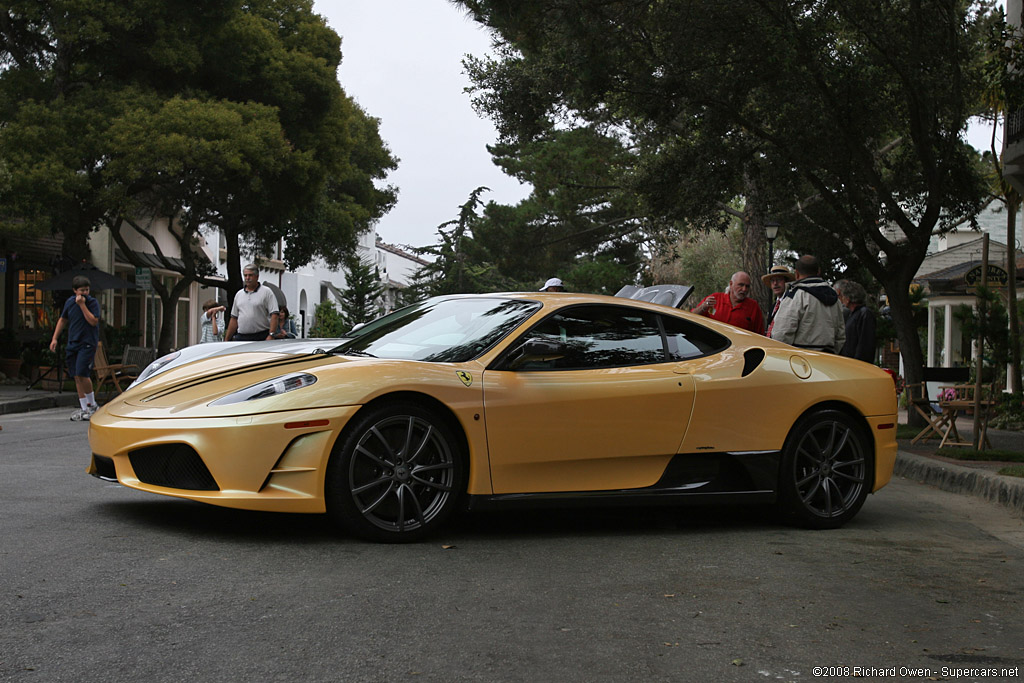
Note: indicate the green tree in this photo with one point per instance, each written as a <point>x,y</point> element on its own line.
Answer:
<point>988,322</point>
<point>704,259</point>
<point>327,321</point>
<point>578,213</point>
<point>457,264</point>
<point>1003,93</point>
<point>848,114</point>
<point>361,299</point>
<point>210,116</point>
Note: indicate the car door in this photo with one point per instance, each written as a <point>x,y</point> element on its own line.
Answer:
<point>608,414</point>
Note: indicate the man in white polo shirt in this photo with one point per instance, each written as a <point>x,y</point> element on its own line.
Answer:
<point>254,310</point>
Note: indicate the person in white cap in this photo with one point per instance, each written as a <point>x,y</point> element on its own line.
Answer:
<point>553,285</point>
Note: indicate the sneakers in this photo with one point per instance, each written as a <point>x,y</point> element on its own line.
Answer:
<point>84,414</point>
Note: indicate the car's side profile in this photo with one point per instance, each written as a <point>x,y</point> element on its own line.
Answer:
<point>508,400</point>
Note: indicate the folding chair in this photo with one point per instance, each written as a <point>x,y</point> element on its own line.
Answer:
<point>919,396</point>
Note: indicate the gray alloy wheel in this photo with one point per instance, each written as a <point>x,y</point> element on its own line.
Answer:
<point>826,470</point>
<point>397,476</point>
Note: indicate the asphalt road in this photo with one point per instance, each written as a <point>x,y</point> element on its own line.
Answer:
<point>102,583</point>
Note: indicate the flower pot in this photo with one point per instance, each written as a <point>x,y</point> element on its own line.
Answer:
<point>10,367</point>
<point>48,375</point>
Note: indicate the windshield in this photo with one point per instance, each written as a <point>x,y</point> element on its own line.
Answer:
<point>440,329</point>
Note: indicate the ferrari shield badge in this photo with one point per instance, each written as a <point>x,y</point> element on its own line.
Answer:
<point>466,378</point>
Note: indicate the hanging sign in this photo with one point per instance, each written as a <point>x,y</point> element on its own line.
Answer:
<point>143,278</point>
<point>997,277</point>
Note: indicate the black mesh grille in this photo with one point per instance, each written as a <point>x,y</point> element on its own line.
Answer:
<point>175,466</point>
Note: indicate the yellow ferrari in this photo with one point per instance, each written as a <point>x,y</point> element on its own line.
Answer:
<point>480,401</point>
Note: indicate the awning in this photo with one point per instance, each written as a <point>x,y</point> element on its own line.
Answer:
<point>149,260</point>
<point>282,300</point>
<point>335,291</point>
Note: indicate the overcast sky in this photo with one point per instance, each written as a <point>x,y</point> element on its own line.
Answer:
<point>402,61</point>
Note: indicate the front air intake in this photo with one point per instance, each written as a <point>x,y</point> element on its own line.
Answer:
<point>175,466</point>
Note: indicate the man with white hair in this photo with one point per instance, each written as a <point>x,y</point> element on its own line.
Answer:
<point>253,310</point>
<point>735,306</point>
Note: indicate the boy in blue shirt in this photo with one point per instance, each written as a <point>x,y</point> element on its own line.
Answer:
<point>81,315</point>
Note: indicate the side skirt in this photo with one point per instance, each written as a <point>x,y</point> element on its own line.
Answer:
<point>730,478</point>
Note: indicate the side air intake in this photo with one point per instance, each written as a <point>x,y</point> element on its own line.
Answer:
<point>751,359</point>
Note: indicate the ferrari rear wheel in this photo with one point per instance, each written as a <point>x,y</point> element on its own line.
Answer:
<point>826,470</point>
<point>396,475</point>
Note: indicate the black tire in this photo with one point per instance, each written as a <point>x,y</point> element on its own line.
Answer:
<point>827,469</point>
<point>396,475</point>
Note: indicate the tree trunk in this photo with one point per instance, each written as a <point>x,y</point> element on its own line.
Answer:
<point>910,344</point>
<point>755,244</point>
<point>1014,379</point>
<point>234,266</point>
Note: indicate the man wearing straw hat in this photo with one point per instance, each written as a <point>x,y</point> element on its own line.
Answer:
<point>776,279</point>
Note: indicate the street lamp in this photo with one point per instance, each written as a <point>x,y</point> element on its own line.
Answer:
<point>771,231</point>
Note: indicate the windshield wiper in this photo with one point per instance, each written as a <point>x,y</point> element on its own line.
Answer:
<point>357,352</point>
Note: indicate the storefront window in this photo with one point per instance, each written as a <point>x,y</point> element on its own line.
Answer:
<point>35,307</point>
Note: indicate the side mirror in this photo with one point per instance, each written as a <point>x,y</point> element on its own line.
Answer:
<point>536,350</point>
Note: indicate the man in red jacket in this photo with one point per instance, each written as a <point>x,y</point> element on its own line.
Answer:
<point>735,307</point>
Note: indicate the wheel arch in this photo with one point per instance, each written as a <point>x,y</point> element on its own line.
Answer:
<point>862,423</point>
<point>422,400</point>
<point>842,407</point>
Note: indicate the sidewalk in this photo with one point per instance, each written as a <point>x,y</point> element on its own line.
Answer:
<point>18,398</point>
<point>917,462</point>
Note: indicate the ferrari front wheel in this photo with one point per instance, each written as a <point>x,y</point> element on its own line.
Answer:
<point>826,465</point>
<point>396,475</point>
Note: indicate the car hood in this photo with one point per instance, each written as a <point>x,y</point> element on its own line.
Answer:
<point>200,351</point>
<point>189,391</point>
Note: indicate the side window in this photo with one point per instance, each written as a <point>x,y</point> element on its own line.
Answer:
<point>601,337</point>
<point>687,339</point>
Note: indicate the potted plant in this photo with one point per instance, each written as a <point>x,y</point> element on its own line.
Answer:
<point>10,352</point>
<point>41,361</point>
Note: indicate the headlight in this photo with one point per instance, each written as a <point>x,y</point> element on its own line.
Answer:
<point>271,387</point>
<point>154,367</point>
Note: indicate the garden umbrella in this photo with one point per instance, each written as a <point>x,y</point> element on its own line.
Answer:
<point>98,279</point>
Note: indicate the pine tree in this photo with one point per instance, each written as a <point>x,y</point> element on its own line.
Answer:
<point>361,300</point>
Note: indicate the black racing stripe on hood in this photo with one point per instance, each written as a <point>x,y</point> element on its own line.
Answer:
<point>285,362</point>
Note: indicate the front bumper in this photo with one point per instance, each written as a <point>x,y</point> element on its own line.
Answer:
<point>272,461</point>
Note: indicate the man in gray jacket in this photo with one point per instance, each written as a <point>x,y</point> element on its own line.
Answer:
<point>810,316</point>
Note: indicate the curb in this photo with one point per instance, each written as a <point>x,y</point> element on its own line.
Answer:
<point>30,403</point>
<point>996,488</point>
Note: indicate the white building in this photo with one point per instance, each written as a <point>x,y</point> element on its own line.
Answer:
<point>140,311</point>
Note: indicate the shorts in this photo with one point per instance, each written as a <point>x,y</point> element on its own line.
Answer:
<point>251,336</point>
<point>80,356</point>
